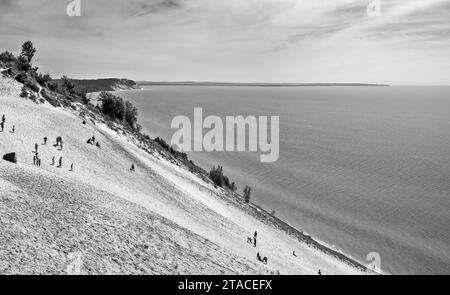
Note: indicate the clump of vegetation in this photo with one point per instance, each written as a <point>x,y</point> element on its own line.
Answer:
<point>52,86</point>
<point>50,97</point>
<point>171,150</point>
<point>8,59</point>
<point>217,176</point>
<point>112,105</point>
<point>67,85</point>
<point>247,192</point>
<point>28,52</point>
<point>116,108</point>
<point>43,80</point>
<point>33,97</point>
<point>131,114</point>
<point>24,92</point>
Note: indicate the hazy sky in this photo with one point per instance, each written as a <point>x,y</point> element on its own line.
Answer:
<point>236,40</point>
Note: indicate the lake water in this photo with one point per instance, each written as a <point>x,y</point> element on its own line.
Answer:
<point>364,169</point>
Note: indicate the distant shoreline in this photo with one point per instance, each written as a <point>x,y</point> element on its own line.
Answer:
<point>188,83</point>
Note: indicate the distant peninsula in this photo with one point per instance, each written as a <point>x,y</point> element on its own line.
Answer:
<point>97,85</point>
<point>253,84</point>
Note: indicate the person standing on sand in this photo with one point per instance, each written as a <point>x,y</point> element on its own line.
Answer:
<point>60,162</point>
<point>2,125</point>
<point>58,140</point>
<point>132,167</point>
<point>71,167</point>
<point>53,161</point>
<point>45,140</point>
<point>254,238</point>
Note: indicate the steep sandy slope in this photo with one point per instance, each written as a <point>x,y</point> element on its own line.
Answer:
<point>158,219</point>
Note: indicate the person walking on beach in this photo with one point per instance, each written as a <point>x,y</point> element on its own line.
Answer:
<point>71,167</point>
<point>254,238</point>
<point>60,162</point>
<point>45,140</point>
<point>2,126</point>
<point>53,161</point>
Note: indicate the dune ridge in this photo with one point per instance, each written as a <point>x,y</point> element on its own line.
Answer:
<point>160,219</point>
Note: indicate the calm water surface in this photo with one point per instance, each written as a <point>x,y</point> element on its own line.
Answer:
<point>365,169</point>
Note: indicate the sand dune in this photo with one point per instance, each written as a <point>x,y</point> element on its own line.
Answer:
<point>160,219</point>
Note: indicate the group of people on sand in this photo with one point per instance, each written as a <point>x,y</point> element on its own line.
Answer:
<point>92,141</point>
<point>264,260</point>
<point>58,144</point>
<point>253,242</point>
<point>37,159</point>
<point>2,125</point>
